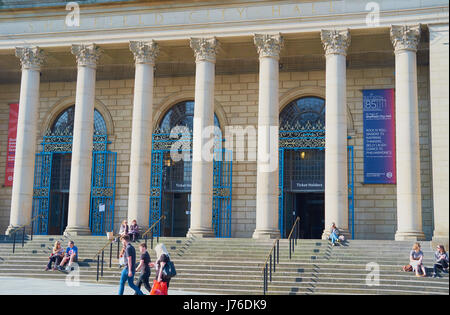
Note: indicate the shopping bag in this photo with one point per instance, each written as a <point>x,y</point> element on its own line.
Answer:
<point>159,288</point>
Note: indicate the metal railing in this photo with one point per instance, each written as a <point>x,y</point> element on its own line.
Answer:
<point>14,232</point>
<point>151,229</point>
<point>269,264</point>
<point>101,252</point>
<point>294,236</point>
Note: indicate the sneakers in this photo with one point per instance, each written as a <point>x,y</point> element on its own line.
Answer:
<point>434,275</point>
<point>46,268</point>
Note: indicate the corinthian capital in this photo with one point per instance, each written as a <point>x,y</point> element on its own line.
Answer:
<point>144,52</point>
<point>87,54</point>
<point>30,57</point>
<point>335,42</point>
<point>405,37</point>
<point>205,49</point>
<point>268,45</point>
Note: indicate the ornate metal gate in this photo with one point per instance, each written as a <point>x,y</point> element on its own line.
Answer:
<point>308,137</point>
<point>163,144</point>
<point>102,188</point>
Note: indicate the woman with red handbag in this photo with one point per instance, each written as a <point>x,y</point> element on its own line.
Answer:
<point>161,282</point>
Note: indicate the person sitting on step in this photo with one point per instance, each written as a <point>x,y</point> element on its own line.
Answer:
<point>334,234</point>
<point>56,256</point>
<point>441,257</point>
<point>134,231</point>
<point>416,260</point>
<point>71,256</point>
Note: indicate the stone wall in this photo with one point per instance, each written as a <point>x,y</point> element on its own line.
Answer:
<point>237,101</point>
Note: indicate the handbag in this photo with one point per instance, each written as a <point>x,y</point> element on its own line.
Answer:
<point>159,288</point>
<point>169,270</point>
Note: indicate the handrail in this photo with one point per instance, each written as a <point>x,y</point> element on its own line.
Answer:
<point>293,227</point>
<point>268,261</point>
<point>293,238</point>
<point>163,217</point>
<point>18,228</point>
<point>109,242</point>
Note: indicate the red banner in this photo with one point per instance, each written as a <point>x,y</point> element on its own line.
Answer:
<point>12,133</point>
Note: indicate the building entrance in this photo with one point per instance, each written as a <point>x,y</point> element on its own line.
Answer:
<point>59,193</point>
<point>177,210</point>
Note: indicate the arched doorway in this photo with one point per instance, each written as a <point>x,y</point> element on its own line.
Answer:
<point>171,177</point>
<point>52,177</point>
<point>302,166</point>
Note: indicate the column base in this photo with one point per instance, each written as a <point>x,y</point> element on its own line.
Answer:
<point>410,236</point>
<point>266,234</point>
<point>77,231</point>
<point>201,233</point>
<point>10,229</point>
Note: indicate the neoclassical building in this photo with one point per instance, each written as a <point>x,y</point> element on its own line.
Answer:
<point>231,119</point>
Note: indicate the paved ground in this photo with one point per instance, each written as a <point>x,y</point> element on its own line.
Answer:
<point>31,286</point>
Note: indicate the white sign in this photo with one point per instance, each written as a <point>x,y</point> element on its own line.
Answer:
<point>101,207</point>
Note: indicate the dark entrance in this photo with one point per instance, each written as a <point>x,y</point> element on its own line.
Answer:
<point>311,209</point>
<point>177,211</point>
<point>59,193</point>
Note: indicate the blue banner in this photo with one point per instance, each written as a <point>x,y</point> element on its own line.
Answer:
<point>379,136</point>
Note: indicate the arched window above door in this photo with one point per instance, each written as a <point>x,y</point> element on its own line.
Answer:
<point>64,122</point>
<point>302,112</point>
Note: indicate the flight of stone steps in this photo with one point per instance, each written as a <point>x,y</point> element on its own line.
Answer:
<point>234,266</point>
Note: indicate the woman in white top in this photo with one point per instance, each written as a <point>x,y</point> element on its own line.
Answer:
<point>415,260</point>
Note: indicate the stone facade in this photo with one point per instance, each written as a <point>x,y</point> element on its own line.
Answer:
<point>236,101</point>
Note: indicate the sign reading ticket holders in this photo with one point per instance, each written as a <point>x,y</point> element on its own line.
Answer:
<point>379,136</point>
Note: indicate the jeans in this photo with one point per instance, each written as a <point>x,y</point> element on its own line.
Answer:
<point>441,265</point>
<point>56,259</point>
<point>124,278</point>
<point>333,238</point>
<point>143,279</point>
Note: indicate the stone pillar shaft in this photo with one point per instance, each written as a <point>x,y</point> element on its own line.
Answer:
<point>439,99</point>
<point>336,44</point>
<point>409,203</point>
<point>202,164</point>
<point>82,146</point>
<point>268,47</point>
<point>22,190</point>
<point>145,54</point>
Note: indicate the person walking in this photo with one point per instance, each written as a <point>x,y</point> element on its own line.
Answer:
<point>416,260</point>
<point>56,256</point>
<point>162,258</point>
<point>441,257</point>
<point>144,267</point>
<point>130,264</point>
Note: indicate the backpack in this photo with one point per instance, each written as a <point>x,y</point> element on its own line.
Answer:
<point>169,270</point>
<point>407,268</point>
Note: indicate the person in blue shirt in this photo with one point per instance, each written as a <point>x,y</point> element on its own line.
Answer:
<point>71,256</point>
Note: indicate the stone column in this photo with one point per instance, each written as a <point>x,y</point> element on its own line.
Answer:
<point>335,44</point>
<point>22,191</point>
<point>83,132</point>
<point>439,79</point>
<point>409,203</point>
<point>145,54</point>
<point>268,47</point>
<point>205,50</point>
